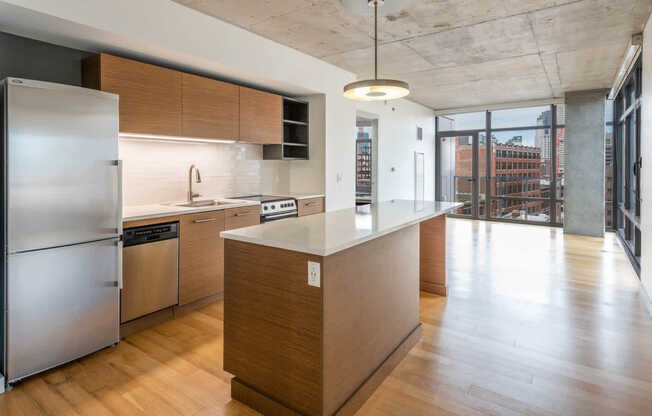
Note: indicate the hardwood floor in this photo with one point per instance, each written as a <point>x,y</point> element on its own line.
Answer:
<point>536,323</point>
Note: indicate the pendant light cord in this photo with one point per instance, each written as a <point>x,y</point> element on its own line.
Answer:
<point>375,39</point>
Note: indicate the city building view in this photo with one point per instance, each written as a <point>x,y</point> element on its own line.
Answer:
<point>525,167</point>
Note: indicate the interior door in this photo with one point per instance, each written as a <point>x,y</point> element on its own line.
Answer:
<point>457,172</point>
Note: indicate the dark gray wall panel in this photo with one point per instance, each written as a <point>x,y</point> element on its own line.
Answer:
<point>27,58</point>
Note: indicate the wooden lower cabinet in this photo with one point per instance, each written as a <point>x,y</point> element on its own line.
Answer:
<point>310,206</point>
<point>241,217</point>
<point>201,256</point>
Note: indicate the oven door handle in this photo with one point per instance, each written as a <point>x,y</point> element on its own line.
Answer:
<point>279,216</point>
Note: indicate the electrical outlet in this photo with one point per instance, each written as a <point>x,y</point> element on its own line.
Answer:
<point>314,278</point>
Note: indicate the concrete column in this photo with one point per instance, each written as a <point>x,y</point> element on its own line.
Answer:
<point>584,167</point>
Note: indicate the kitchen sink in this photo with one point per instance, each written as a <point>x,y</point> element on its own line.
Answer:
<point>201,203</point>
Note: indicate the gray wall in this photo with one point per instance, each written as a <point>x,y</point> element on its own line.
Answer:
<point>584,170</point>
<point>27,58</point>
<point>32,59</point>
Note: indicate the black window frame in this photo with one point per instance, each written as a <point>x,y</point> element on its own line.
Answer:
<point>551,200</point>
<point>626,141</point>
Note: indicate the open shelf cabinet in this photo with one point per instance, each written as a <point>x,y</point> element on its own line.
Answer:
<point>295,145</point>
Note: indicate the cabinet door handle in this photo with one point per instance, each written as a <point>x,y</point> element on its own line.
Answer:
<point>242,214</point>
<point>309,204</point>
<point>205,220</point>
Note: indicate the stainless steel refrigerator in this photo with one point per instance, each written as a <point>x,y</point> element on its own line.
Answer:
<point>62,224</point>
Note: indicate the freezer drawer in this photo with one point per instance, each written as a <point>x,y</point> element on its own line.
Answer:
<point>151,278</point>
<point>62,304</point>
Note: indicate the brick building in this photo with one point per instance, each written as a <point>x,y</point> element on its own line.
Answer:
<point>516,172</point>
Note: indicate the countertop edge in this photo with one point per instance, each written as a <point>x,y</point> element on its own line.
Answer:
<point>172,211</point>
<point>323,253</point>
<point>307,196</point>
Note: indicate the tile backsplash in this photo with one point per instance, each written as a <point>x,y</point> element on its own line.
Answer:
<point>157,171</point>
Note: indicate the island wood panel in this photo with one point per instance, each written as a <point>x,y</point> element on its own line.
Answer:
<point>371,305</point>
<point>242,217</point>
<point>211,109</point>
<point>201,256</point>
<point>310,206</point>
<point>272,325</point>
<point>261,116</point>
<point>433,255</point>
<point>150,96</point>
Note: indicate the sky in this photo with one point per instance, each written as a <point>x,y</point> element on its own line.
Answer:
<point>518,117</point>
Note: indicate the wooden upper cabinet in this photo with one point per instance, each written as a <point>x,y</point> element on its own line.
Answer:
<point>150,96</point>
<point>161,101</point>
<point>261,117</point>
<point>210,108</point>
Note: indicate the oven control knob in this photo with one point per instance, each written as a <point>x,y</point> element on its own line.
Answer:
<point>265,207</point>
<point>273,206</point>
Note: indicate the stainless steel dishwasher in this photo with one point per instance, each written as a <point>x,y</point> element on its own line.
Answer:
<point>150,268</point>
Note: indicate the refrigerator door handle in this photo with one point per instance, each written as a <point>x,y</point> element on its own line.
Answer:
<point>119,165</point>
<point>119,243</point>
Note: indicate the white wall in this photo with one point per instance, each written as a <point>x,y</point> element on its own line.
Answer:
<point>646,154</point>
<point>397,142</point>
<point>165,32</point>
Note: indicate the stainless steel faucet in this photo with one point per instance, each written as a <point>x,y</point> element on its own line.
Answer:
<point>191,195</point>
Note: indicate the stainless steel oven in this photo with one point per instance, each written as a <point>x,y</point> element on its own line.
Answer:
<point>273,208</point>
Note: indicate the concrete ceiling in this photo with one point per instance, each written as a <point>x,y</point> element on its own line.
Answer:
<point>457,53</point>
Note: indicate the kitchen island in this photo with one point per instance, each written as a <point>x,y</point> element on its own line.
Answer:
<point>319,309</point>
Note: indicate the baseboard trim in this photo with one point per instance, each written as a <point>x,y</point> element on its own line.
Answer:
<point>369,386</point>
<point>167,314</point>
<point>145,322</point>
<point>646,298</point>
<point>435,288</point>
<point>198,304</point>
<point>258,401</point>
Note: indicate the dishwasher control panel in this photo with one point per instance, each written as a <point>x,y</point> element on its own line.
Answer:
<point>150,233</point>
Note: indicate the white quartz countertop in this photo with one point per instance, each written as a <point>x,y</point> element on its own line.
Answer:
<point>327,233</point>
<point>301,196</point>
<point>144,212</point>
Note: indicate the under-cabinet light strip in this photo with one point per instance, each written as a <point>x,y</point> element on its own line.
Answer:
<point>173,138</point>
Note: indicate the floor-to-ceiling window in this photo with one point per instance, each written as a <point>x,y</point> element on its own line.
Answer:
<point>627,163</point>
<point>610,206</point>
<point>505,165</point>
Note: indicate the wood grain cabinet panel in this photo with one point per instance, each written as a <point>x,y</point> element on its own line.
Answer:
<point>211,109</point>
<point>310,206</point>
<point>150,96</point>
<point>241,217</point>
<point>201,256</point>
<point>261,117</point>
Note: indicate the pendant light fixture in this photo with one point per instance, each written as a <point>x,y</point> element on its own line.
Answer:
<point>376,89</point>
